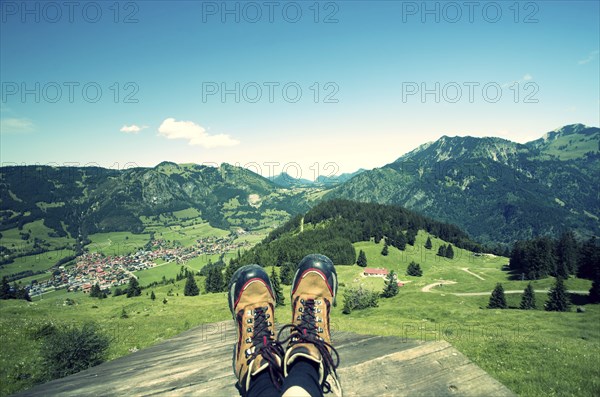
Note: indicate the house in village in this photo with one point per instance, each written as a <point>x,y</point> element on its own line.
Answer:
<point>380,272</point>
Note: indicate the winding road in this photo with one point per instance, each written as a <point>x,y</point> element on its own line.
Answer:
<point>439,283</point>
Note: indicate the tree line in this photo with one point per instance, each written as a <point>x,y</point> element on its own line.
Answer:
<point>543,256</point>
<point>331,227</point>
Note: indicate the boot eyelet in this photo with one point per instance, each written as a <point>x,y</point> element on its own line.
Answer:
<point>249,321</point>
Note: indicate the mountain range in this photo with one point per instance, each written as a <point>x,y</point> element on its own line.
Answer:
<point>496,190</point>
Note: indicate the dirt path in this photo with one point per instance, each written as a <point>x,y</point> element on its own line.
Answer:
<point>439,283</point>
<point>540,291</point>
<point>466,269</point>
<point>436,284</point>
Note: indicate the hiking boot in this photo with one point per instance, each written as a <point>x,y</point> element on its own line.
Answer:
<point>252,303</point>
<point>313,292</point>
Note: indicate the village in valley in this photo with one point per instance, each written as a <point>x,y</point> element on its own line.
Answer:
<point>108,271</point>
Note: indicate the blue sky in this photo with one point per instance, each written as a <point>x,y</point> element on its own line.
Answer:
<point>361,68</point>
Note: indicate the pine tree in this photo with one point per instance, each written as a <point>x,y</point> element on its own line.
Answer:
<point>214,280</point>
<point>567,250</point>
<point>528,299</point>
<point>152,296</point>
<point>391,286</point>
<point>362,259</point>
<point>497,299</point>
<point>95,292</point>
<point>589,259</point>
<point>5,289</point>
<point>428,244</point>
<point>558,300</point>
<point>279,299</point>
<point>385,250</point>
<point>191,288</point>
<point>414,269</point>
<point>287,273</point>
<point>449,251</point>
<point>594,296</point>
<point>442,250</point>
<point>133,289</point>
<point>124,313</point>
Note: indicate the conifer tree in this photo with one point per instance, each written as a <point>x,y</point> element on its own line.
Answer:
<point>528,299</point>
<point>287,273</point>
<point>558,299</point>
<point>442,250</point>
<point>497,299</point>
<point>133,289</point>
<point>152,296</point>
<point>391,286</point>
<point>214,280</point>
<point>95,292</point>
<point>428,244</point>
<point>385,249</point>
<point>362,259</point>
<point>594,296</point>
<point>449,251</point>
<point>567,251</point>
<point>279,299</point>
<point>414,269</point>
<point>5,289</point>
<point>191,288</point>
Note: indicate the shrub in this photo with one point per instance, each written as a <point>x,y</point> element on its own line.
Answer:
<point>71,349</point>
<point>356,299</point>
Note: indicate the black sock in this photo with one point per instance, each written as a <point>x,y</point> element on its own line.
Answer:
<point>305,374</point>
<point>262,385</point>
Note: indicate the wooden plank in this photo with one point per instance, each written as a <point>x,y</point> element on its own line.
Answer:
<point>198,363</point>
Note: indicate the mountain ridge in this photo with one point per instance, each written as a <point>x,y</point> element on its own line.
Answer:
<point>495,189</point>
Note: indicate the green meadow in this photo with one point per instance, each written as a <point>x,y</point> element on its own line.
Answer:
<point>534,353</point>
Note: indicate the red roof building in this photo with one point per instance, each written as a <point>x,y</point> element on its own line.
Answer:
<point>378,272</point>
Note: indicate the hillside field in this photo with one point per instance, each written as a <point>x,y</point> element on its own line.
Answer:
<point>534,353</point>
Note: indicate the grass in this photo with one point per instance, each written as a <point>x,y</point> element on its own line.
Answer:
<point>534,353</point>
<point>11,238</point>
<point>117,243</point>
<point>35,263</point>
<point>149,322</point>
<point>187,235</point>
<point>578,146</point>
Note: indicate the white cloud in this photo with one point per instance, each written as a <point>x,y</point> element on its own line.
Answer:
<point>526,77</point>
<point>591,56</point>
<point>132,129</point>
<point>194,134</point>
<point>16,125</point>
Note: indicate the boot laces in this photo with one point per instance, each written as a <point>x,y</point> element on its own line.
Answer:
<point>307,329</point>
<point>263,343</point>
